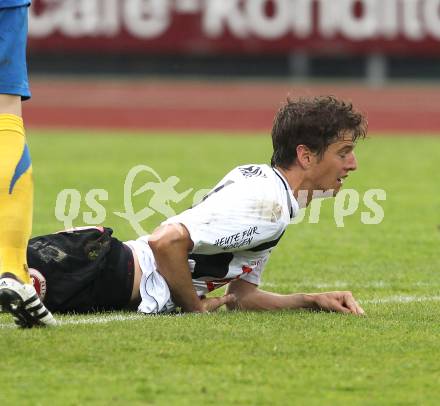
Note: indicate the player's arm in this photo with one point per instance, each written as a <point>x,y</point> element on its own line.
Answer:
<point>249,297</point>
<point>171,244</point>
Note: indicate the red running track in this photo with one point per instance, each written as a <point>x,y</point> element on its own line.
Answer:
<point>224,106</point>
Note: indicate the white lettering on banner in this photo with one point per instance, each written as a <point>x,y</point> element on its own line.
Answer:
<point>46,23</point>
<point>81,18</point>
<point>363,27</point>
<point>302,18</point>
<point>149,19</point>
<point>222,14</point>
<point>432,17</point>
<point>269,27</point>
<point>76,18</point>
<point>187,6</point>
<point>110,24</point>
<point>412,27</point>
<point>389,19</point>
<point>328,18</point>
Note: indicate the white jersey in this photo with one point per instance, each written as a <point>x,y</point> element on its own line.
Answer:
<point>234,230</point>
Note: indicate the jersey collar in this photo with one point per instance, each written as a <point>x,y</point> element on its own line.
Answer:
<point>292,204</point>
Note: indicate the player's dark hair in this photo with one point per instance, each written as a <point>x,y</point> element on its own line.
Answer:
<point>315,122</point>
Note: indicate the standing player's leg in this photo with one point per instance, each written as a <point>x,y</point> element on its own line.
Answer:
<point>17,295</point>
<point>16,189</point>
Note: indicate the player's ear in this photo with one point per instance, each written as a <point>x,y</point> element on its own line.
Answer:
<point>304,156</point>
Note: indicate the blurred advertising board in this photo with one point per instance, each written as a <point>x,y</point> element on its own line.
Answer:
<point>408,27</point>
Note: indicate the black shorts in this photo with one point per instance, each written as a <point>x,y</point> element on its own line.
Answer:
<point>86,270</point>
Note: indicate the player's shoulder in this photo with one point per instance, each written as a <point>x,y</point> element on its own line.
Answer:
<point>254,185</point>
<point>254,171</point>
<point>251,172</point>
<point>245,188</point>
<point>246,176</point>
<point>251,175</point>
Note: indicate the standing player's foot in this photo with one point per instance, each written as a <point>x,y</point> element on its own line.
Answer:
<point>22,301</point>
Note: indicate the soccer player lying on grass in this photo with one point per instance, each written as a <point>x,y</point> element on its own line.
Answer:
<point>224,240</point>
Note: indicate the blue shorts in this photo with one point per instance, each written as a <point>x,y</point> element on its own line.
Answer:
<point>13,37</point>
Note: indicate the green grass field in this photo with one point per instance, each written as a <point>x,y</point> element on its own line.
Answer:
<point>389,357</point>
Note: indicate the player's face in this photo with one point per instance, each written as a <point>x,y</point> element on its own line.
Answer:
<point>330,171</point>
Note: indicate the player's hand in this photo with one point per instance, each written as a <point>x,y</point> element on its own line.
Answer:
<point>210,304</point>
<point>341,302</point>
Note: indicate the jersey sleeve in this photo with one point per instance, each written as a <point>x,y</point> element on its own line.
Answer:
<point>14,3</point>
<point>236,216</point>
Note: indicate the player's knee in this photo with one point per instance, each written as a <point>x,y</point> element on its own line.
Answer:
<point>10,104</point>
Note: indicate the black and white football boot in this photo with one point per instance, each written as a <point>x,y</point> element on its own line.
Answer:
<point>22,301</point>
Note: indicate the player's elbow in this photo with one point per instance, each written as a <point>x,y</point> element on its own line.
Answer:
<point>243,292</point>
<point>242,304</point>
<point>233,305</point>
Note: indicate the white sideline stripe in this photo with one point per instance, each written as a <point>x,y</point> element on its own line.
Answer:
<point>337,285</point>
<point>65,320</point>
<point>401,299</point>
<point>102,319</point>
<point>90,320</point>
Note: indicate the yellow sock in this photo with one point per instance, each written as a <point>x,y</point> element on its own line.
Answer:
<point>16,197</point>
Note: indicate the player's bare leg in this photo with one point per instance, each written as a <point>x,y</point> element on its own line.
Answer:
<point>17,295</point>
